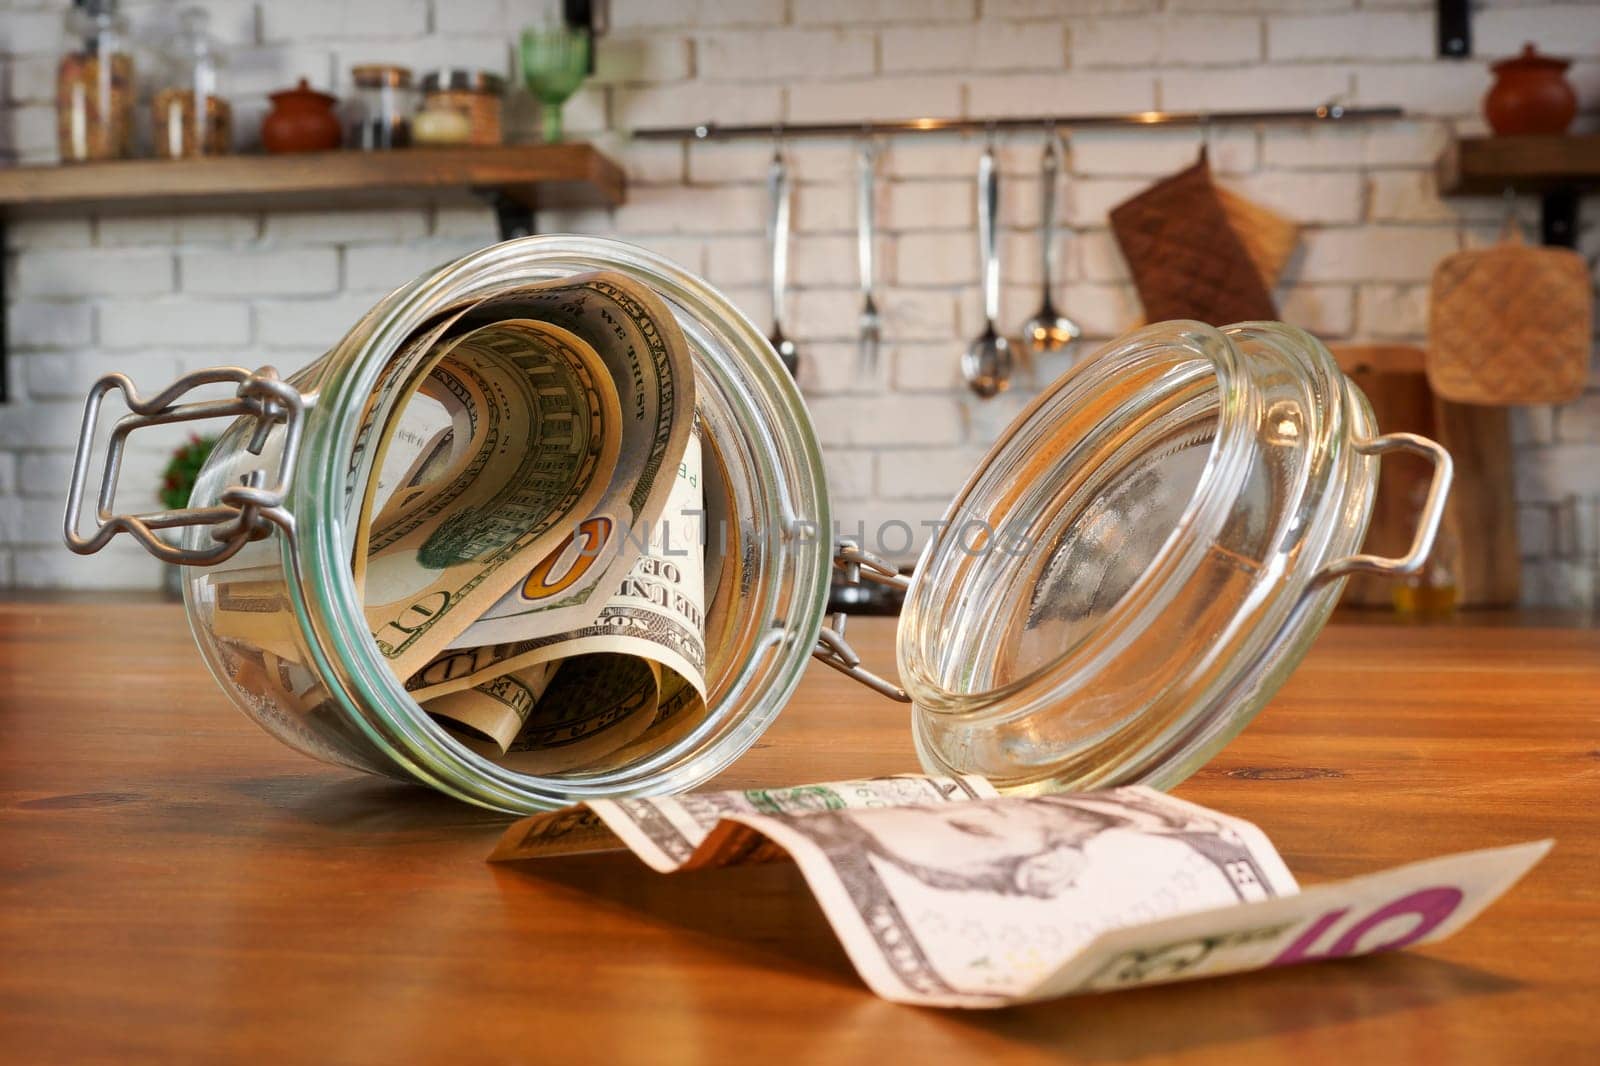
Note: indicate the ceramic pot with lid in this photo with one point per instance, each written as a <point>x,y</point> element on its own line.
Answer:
<point>1125,580</point>
<point>301,120</point>
<point>1530,95</point>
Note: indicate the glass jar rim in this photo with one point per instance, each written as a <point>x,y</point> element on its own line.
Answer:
<point>327,605</point>
<point>1263,623</point>
<point>927,604</point>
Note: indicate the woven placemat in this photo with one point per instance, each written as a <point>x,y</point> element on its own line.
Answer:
<point>1510,324</point>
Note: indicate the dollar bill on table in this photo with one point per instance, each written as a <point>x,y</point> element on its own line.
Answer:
<point>944,894</point>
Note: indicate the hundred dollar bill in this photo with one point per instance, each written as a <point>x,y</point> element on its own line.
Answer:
<point>446,394</point>
<point>545,449</point>
<point>643,348</point>
<point>679,710</point>
<point>657,613</point>
<point>255,610</point>
<point>1005,900</point>
<point>455,395</point>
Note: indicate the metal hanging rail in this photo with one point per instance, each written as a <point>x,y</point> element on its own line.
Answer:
<point>710,131</point>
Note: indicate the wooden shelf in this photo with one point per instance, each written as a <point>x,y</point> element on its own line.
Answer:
<point>525,175</point>
<point>1487,166</point>
<point>514,179</point>
<point>1558,169</point>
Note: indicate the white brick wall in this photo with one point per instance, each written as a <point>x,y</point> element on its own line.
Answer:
<point>155,295</point>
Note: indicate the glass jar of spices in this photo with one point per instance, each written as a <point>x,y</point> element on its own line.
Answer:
<point>383,101</point>
<point>438,125</point>
<point>94,85</point>
<point>473,94</point>
<point>188,117</point>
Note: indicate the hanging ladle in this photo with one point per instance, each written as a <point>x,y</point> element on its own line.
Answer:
<point>1049,330</point>
<point>986,364</point>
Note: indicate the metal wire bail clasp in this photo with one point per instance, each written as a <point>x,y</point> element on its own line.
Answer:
<point>1427,522</point>
<point>857,565</point>
<point>244,512</point>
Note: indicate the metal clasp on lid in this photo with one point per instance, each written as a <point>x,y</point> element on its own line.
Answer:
<point>857,565</point>
<point>1427,522</point>
<point>245,512</point>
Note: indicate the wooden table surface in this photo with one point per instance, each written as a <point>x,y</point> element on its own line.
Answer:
<point>177,887</point>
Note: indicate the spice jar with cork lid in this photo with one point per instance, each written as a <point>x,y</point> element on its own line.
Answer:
<point>189,117</point>
<point>460,107</point>
<point>383,100</point>
<point>94,85</point>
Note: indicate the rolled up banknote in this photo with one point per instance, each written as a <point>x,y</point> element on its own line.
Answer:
<point>640,344</point>
<point>1003,900</point>
<point>657,612</point>
<point>594,705</point>
<point>544,450</point>
<point>492,714</point>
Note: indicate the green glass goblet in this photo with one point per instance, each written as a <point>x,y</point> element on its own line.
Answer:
<point>555,60</point>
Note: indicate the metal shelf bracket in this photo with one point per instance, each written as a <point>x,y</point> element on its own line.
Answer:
<point>1455,29</point>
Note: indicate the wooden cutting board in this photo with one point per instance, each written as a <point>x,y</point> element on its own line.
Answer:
<point>1481,515</point>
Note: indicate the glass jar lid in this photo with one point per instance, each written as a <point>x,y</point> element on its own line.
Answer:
<point>380,76</point>
<point>1144,557</point>
<point>462,79</point>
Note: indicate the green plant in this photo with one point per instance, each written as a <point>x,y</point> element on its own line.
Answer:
<point>177,480</point>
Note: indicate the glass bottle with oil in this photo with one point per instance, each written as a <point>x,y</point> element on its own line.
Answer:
<point>1430,593</point>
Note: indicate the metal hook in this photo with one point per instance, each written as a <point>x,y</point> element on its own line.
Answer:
<point>1508,220</point>
<point>870,146</point>
<point>1052,148</point>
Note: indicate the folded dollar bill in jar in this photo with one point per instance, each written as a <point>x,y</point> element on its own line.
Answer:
<point>945,894</point>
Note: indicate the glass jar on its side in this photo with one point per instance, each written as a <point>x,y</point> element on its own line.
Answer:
<point>316,680</point>
<point>1144,557</point>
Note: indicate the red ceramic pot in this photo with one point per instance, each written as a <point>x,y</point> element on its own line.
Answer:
<point>301,120</point>
<point>1530,94</point>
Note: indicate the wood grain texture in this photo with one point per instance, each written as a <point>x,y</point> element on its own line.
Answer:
<point>1486,166</point>
<point>552,174</point>
<point>1482,515</point>
<point>176,887</point>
